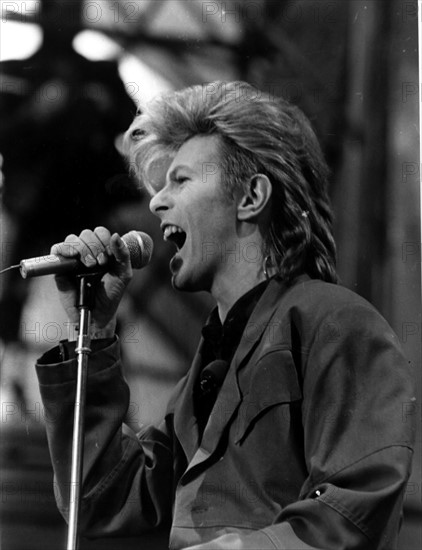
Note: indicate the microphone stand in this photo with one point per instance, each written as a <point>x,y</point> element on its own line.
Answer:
<point>83,349</point>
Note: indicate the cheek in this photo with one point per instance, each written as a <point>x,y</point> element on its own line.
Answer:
<point>211,220</point>
<point>157,171</point>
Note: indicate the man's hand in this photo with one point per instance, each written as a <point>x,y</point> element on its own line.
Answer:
<point>96,247</point>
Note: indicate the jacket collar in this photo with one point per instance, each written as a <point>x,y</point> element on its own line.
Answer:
<point>230,396</point>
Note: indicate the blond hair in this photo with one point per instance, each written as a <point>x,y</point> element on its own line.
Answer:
<point>258,134</point>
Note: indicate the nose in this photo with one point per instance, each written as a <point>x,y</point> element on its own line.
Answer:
<point>159,202</point>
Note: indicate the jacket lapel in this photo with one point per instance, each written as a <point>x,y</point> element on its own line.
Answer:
<point>260,321</point>
<point>185,425</point>
<point>230,395</point>
<point>227,401</point>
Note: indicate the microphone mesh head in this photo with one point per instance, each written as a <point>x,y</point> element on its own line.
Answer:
<point>140,247</point>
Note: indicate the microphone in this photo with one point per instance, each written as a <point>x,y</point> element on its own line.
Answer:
<point>140,247</point>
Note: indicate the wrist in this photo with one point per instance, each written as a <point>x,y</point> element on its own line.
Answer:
<point>100,333</point>
<point>72,331</point>
<point>95,332</point>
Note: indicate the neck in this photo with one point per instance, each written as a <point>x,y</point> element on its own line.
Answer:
<point>240,272</point>
<point>230,287</point>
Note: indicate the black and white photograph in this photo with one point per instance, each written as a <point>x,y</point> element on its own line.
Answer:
<point>210,275</point>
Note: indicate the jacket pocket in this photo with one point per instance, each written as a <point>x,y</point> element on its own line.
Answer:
<point>273,381</point>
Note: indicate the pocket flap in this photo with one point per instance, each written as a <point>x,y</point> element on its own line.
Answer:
<point>274,381</point>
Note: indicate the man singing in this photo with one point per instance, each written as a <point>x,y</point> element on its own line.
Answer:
<point>287,431</point>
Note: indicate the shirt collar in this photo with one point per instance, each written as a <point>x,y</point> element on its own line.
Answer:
<point>224,337</point>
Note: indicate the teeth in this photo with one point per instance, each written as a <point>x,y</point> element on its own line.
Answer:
<point>170,229</point>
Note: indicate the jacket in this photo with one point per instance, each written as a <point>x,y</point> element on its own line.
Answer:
<point>307,446</point>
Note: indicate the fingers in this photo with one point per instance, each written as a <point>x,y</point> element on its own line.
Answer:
<point>121,252</point>
<point>92,247</point>
<point>95,248</point>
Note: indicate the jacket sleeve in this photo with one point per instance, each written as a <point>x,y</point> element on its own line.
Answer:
<point>357,438</point>
<point>127,477</point>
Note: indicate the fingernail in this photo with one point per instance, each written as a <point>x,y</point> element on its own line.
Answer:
<point>90,260</point>
<point>101,259</point>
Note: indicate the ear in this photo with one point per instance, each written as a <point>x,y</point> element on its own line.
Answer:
<point>255,198</point>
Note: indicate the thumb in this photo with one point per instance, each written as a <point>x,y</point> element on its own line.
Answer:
<point>120,251</point>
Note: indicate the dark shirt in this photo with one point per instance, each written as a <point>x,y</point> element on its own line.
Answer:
<point>220,343</point>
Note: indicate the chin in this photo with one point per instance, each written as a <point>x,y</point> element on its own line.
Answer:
<point>185,283</point>
<point>179,282</point>
<point>185,286</point>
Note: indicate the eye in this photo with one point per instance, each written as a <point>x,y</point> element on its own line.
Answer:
<point>181,179</point>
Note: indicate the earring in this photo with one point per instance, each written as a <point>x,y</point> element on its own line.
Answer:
<point>267,264</point>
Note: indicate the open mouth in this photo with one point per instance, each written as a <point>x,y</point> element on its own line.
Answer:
<point>175,234</point>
